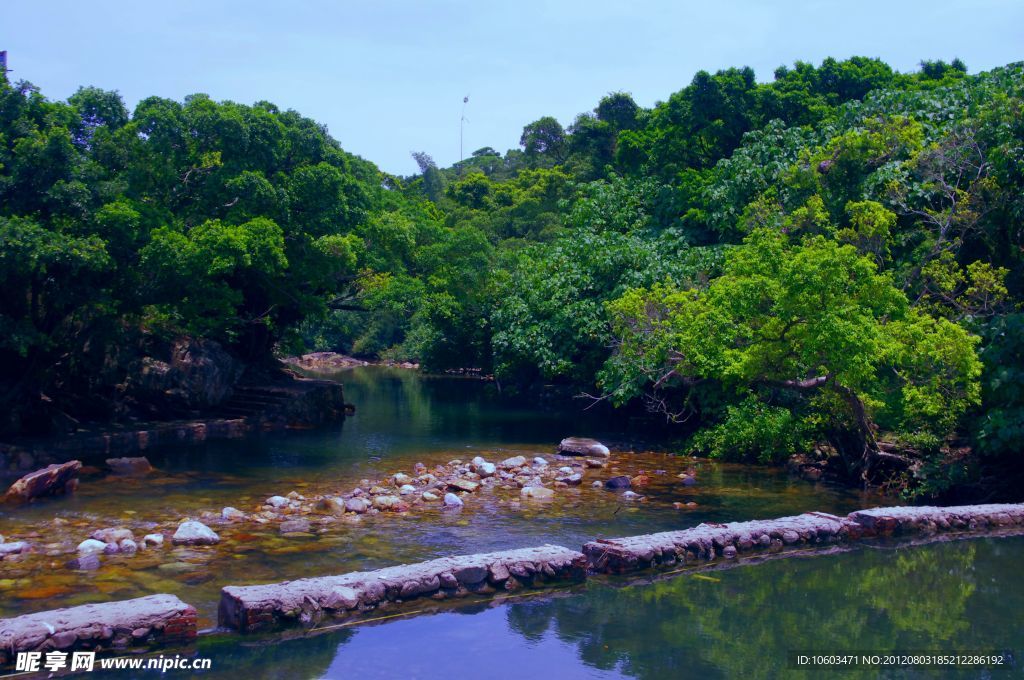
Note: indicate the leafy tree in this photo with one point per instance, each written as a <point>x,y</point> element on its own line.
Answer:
<point>815,320</point>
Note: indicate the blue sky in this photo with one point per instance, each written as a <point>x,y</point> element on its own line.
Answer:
<point>388,77</point>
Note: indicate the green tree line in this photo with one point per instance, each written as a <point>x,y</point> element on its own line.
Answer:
<point>827,261</point>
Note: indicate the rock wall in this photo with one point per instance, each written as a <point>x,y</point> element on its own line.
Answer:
<point>154,621</point>
<point>308,601</point>
<point>728,541</point>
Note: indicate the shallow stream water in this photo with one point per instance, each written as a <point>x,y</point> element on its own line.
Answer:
<point>740,623</point>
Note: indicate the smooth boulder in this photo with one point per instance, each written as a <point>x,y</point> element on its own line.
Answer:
<point>52,480</point>
<point>191,532</point>
<point>581,446</point>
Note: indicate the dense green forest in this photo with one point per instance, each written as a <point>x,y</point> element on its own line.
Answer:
<point>830,261</point>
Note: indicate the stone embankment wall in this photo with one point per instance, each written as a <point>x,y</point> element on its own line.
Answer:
<point>145,622</point>
<point>308,601</point>
<point>163,619</point>
<point>302,402</point>
<point>728,541</point>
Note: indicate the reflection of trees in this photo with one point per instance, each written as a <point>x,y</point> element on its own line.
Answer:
<point>308,657</point>
<point>743,625</point>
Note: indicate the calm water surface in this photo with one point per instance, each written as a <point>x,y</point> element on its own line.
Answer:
<point>741,624</point>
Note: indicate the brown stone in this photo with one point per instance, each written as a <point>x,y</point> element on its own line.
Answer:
<point>52,480</point>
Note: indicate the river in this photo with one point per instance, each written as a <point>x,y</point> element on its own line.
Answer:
<point>738,622</point>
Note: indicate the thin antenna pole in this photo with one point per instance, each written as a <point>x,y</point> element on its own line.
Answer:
<point>462,127</point>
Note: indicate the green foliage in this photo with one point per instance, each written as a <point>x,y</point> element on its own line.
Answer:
<point>753,430</point>
<point>809,258</point>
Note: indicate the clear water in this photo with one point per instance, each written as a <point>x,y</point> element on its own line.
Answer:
<point>961,594</point>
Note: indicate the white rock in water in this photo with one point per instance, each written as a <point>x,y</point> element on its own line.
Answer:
<point>513,462</point>
<point>406,489</point>
<point>478,461</point>
<point>539,462</point>
<point>537,492</point>
<point>581,446</point>
<point>191,532</point>
<point>357,505</point>
<point>566,470</point>
<point>277,501</point>
<point>13,548</point>
<point>152,540</point>
<point>486,469</point>
<point>91,545</point>
<point>453,501</point>
<point>427,496</point>
<point>230,513</point>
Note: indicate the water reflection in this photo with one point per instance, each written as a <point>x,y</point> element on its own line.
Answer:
<point>402,418</point>
<point>946,597</point>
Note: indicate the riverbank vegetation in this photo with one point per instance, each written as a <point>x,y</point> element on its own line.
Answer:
<point>828,262</point>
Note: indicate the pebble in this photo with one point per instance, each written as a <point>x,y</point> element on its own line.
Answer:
<point>191,532</point>
<point>276,501</point>
<point>230,514</point>
<point>537,492</point>
<point>452,501</point>
<point>152,540</point>
<point>357,505</point>
<point>91,545</point>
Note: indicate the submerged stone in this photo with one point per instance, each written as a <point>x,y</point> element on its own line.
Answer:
<point>191,532</point>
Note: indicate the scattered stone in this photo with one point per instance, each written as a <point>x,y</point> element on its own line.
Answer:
<point>392,503</point>
<point>486,469</point>
<point>293,526</point>
<point>452,501</point>
<point>50,481</point>
<point>128,546</point>
<point>620,482</point>
<point>12,548</point>
<point>407,489</point>
<point>112,535</point>
<point>592,463</point>
<point>566,470</point>
<point>463,485</point>
<point>429,497</point>
<point>513,462</point>
<point>574,479</point>
<point>631,495</point>
<point>597,484</point>
<point>232,514</point>
<point>539,493</point>
<point>539,462</point>
<point>277,502</point>
<point>357,505</point>
<point>581,446</point>
<point>401,479</point>
<point>640,480</point>
<point>130,466</point>
<point>191,532</point>
<point>152,540</point>
<point>91,545</point>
